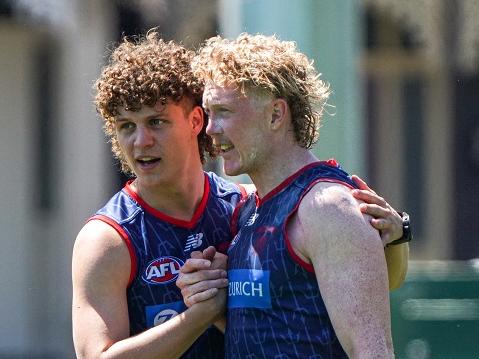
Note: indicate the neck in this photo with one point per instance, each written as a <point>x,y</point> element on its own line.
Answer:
<point>179,199</point>
<point>280,167</point>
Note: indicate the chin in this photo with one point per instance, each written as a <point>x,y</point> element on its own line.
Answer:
<point>233,168</point>
<point>233,171</point>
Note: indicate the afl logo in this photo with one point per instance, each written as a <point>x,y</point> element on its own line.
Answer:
<point>162,270</point>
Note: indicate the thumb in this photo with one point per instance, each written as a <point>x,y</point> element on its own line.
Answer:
<point>209,253</point>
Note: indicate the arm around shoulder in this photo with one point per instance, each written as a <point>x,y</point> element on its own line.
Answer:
<point>397,258</point>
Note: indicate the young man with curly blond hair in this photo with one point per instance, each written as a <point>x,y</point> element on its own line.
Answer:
<point>307,273</point>
<point>128,255</point>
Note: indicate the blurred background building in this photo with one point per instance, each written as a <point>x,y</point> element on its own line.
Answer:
<point>405,77</point>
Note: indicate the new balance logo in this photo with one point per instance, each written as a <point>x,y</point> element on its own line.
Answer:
<point>252,219</point>
<point>193,241</point>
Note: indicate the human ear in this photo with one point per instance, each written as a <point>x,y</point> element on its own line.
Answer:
<point>278,113</point>
<point>197,119</point>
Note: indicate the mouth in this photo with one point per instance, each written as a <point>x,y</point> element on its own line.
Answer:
<point>224,147</point>
<point>147,160</point>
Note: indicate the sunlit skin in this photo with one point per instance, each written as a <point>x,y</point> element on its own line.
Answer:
<point>237,125</point>
<point>252,135</point>
<point>161,147</point>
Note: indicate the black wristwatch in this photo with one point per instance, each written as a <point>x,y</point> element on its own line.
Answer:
<point>406,231</point>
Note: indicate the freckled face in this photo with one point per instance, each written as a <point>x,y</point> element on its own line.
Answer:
<point>238,126</point>
<point>157,142</point>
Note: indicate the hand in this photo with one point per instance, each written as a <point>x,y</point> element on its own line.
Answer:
<point>386,219</point>
<point>203,276</point>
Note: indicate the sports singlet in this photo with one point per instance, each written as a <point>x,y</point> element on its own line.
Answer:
<point>275,309</point>
<point>159,245</point>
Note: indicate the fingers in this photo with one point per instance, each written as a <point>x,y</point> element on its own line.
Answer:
<point>185,279</point>
<point>369,197</point>
<point>195,264</point>
<point>375,210</point>
<point>220,261</point>
<point>200,297</point>
<point>361,184</point>
<point>209,253</point>
<point>380,224</point>
<point>202,291</point>
<point>389,230</point>
<point>197,255</point>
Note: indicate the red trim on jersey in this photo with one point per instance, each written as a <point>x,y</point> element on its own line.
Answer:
<point>243,191</point>
<point>164,217</point>
<point>223,247</point>
<point>125,238</point>
<point>307,266</point>
<point>287,181</point>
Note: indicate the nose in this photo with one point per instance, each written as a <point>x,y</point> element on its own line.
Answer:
<point>213,127</point>
<point>144,137</point>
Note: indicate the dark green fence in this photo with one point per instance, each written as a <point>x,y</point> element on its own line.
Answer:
<point>435,314</point>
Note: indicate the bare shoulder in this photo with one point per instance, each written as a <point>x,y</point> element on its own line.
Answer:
<point>329,195</point>
<point>98,233</point>
<point>331,221</point>
<point>100,254</point>
<point>100,273</point>
<point>328,204</point>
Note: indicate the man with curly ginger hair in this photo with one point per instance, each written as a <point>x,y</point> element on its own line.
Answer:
<point>128,255</point>
<point>307,273</point>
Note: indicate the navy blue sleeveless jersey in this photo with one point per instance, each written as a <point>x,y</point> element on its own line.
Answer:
<point>159,245</point>
<point>275,309</point>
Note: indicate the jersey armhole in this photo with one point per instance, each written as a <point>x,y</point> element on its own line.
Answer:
<point>125,238</point>
<point>294,256</point>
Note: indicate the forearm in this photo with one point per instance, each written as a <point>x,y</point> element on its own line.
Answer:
<point>397,262</point>
<point>168,340</point>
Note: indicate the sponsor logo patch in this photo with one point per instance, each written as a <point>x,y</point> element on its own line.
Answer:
<point>162,270</point>
<point>248,288</point>
<point>158,314</point>
<point>193,241</point>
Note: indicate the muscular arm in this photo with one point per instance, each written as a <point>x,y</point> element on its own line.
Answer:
<point>348,257</point>
<point>389,223</point>
<point>100,272</point>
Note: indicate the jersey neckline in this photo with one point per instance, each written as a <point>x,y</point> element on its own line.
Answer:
<point>164,217</point>
<point>291,178</point>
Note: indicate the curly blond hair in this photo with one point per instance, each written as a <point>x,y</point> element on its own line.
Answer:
<point>264,62</point>
<point>144,70</point>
